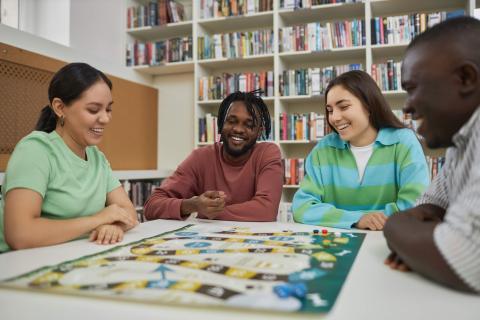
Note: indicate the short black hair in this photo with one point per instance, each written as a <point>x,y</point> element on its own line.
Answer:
<point>252,101</point>
<point>465,31</point>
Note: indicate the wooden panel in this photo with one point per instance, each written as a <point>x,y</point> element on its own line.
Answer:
<point>3,161</point>
<point>130,141</point>
<point>28,58</point>
<point>23,92</point>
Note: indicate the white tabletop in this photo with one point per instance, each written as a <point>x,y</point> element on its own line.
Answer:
<point>371,291</point>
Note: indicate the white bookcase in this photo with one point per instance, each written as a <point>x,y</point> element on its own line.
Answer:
<point>276,19</point>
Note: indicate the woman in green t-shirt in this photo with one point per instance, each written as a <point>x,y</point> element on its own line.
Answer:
<point>58,186</point>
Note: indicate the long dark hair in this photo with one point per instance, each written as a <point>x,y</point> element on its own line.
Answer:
<point>68,84</point>
<point>252,101</point>
<point>361,85</point>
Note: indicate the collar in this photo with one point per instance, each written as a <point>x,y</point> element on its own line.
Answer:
<point>467,129</point>
<point>385,137</point>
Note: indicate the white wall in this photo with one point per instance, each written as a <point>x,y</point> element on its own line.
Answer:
<point>9,13</point>
<point>175,118</point>
<point>49,19</point>
<point>54,50</point>
<point>98,27</point>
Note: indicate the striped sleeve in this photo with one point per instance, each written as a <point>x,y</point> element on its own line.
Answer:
<point>458,237</point>
<point>413,175</point>
<point>309,206</point>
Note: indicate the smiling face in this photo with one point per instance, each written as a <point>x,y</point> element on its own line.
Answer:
<point>239,133</point>
<point>349,117</point>
<point>433,94</point>
<point>86,117</point>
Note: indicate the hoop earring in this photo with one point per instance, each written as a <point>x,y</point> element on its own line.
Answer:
<point>62,121</point>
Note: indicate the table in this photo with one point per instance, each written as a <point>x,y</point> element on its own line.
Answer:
<point>371,291</point>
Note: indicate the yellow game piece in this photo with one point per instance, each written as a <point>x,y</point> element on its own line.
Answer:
<point>324,256</point>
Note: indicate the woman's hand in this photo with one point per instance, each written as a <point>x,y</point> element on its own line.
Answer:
<point>372,221</point>
<point>107,234</point>
<point>116,214</point>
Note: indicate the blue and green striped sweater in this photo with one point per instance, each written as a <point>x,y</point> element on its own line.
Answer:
<point>331,194</point>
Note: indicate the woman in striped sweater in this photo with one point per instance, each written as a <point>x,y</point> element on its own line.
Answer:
<point>369,167</point>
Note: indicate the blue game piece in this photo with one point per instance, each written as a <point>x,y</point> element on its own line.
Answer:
<point>299,290</point>
<point>283,291</point>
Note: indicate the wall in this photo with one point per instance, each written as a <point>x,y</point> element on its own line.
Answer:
<point>175,118</point>
<point>98,27</point>
<point>49,19</point>
<point>54,50</point>
<point>9,12</point>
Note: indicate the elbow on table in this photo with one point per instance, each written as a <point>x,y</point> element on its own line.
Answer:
<point>271,212</point>
<point>18,242</point>
<point>148,212</point>
<point>391,226</point>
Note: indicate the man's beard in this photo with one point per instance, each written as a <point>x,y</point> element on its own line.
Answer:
<point>236,152</point>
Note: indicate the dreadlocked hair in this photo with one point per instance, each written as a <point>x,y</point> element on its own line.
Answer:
<point>252,101</point>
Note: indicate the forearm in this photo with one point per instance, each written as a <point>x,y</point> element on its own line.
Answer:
<point>255,210</point>
<point>426,212</point>
<point>309,209</point>
<point>417,249</point>
<point>132,212</point>
<point>160,206</point>
<point>188,206</point>
<point>39,232</point>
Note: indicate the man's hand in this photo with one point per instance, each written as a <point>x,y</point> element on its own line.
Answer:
<point>209,204</point>
<point>372,221</point>
<point>396,263</point>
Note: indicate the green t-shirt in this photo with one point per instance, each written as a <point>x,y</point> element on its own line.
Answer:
<point>70,186</point>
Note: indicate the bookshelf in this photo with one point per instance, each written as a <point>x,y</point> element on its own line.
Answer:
<point>149,33</point>
<point>139,184</point>
<point>276,18</point>
<point>140,174</point>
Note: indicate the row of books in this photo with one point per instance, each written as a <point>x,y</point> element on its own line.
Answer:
<point>387,75</point>
<point>435,164</point>
<point>207,130</point>
<point>138,191</point>
<point>155,13</point>
<point>406,119</point>
<point>294,170</point>
<point>311,81</point>
<point>318,36</point>
<point>218,87</point>
<point>285,213</point>
<point>235,44</point>
<point>402,29</point>
<point>303,127</point>
<point>228,8</point>
<point>294,4</point>
<point>159,52</point>
<point>310,126</point>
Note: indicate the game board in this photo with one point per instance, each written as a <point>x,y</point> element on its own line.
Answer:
<point>198,265</point>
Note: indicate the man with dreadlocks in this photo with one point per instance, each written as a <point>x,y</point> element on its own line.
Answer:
<point>236,179</point>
